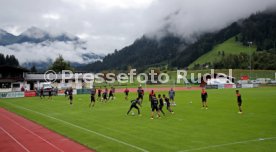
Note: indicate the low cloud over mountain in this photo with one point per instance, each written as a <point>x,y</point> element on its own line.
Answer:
<point>36,45</point>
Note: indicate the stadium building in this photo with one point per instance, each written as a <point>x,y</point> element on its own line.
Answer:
<point>12,78</point>
<point>18,82</point>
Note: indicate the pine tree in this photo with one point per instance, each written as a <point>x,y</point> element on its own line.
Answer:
<point>33,69</point>
<point>60,64</point>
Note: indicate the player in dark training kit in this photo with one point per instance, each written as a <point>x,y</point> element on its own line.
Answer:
<point>151,94</point>
<point>154,107</point>
<point>204,97</point>
<point>140,92</point>
<point>50,93</point>
<point>167,100</point>
<point>239,100</point>
<point>126,93</point>
<point>66,92</point>
<point>105,94</point>
<point>134,104</point>
<point>111,94</point>
<point>161,104</point>
<point>92,100</point>
<point>42,93</point>
<point>70,93</point>
<point>99,94</point>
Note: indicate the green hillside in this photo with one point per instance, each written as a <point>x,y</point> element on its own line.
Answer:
<point>228,47</point>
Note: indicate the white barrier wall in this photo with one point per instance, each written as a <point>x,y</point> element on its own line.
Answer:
<point>247,85</point>
<point>11,94</point>
<point>5,90</point>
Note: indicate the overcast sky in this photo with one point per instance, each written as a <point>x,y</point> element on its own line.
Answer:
<point>107,25</point>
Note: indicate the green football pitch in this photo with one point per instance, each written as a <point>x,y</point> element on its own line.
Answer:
<point>106,127</point>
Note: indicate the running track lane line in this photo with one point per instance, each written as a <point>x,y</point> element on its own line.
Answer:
<point>85,129</point>
<point>51,144</point>
<point>229,144</point>
<point>15,139</point>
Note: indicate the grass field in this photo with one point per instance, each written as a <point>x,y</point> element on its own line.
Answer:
<point>106,127</point>
<point>229,47</point>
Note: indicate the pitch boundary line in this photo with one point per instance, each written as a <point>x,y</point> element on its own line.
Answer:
<point>21,145</point>
<point>48,142</point>
<point>82,128</point>
<point>228,144</point>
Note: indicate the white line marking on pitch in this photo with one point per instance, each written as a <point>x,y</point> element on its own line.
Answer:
<point>35,134</point>
<point>14,139</point>
<point>229,144</point>
<point>85,129</point>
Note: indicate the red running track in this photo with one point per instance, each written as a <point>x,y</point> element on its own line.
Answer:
<point>18,134</point>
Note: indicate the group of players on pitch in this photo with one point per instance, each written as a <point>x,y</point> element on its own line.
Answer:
<point>157,103</point>
<point>68,93</point>
<point>103,95</point>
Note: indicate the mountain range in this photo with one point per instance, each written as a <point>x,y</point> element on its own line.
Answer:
<point>33,35</point>
<point>169,51</point>
<point>172,51</point>
<point>47,46</point>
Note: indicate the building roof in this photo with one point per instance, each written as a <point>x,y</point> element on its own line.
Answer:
<point>13,68</point>
<point>29,76</point>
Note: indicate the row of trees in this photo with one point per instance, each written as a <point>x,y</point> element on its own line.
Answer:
<point>8,60</point>
<point>58,65</point>
<point>258,60</point>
